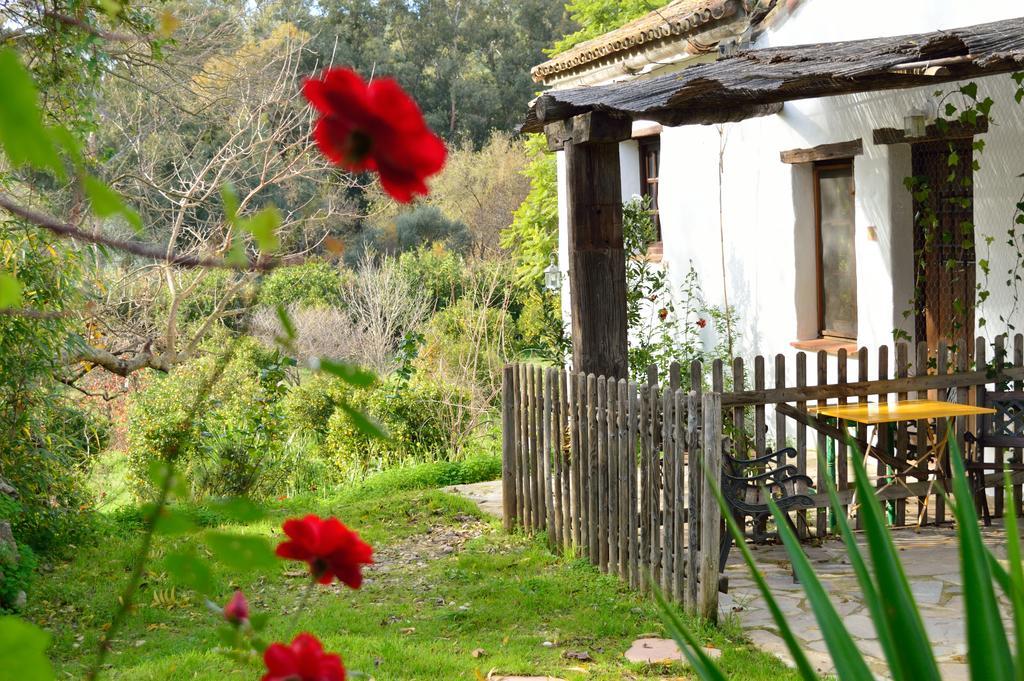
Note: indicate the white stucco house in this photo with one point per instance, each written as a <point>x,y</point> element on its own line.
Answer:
<point>797,213</point>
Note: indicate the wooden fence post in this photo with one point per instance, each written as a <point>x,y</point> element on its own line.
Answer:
<point>711,517</point>
<point>694,479</point>
<point>508,445</point>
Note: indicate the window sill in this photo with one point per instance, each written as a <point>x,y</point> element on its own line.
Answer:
<point>831,345</point>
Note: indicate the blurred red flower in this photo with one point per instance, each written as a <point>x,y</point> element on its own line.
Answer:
<point>237,609</point>
<point>303,660</point>
<point>662,314</point>
<point>702,322</point>
<point>374,127</point>
<point>331,549</point>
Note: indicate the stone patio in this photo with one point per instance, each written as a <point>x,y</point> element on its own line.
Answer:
<point>930,560</point>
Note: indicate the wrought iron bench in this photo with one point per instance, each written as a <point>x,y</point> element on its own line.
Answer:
<point>746,484</point>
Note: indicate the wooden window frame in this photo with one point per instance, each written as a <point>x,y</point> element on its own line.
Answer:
<point>645,145</point>
<point>819,280</point>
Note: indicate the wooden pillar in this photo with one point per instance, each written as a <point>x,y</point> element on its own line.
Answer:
<point>597,260</point>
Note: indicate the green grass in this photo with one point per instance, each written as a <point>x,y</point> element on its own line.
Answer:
<point>420,614</point>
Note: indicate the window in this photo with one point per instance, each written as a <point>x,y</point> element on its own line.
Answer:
<point>836,254</point>
<point>650,161</point>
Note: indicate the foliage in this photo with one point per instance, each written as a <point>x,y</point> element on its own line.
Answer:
<point>312,284</point>
<point>233,447</point>
<point>662,328</point>
<point>47,441</point>
<point>533,235</point>
<point>17,570</point>
<point>427,225</point>
<point>467,66</point>
<point>474,468</point>
<point>891,604</point>
<point>435,272</point>
<point>410,412</point>
<point>542,333</point>
<point>596,17</point>
<point>479,187</point>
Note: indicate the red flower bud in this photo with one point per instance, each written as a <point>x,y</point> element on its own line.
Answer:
<point>331,549</point>
<point>303,660</point>
<point>662,314</point>
<point>237,609</point>
<point>702,322</point>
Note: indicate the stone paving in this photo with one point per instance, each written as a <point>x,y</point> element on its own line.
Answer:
<point>930,560</point>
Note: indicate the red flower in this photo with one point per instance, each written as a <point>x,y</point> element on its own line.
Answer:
<point>374,127</point>
<point>331,549</point>
<point>702,322</point>
<point>662,314</point>
<point>303,660</point>
<point>237,609</point>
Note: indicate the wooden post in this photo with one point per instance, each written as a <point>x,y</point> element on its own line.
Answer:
<point>679,410</point>
<point>508,445</point>
<point>624,454</point>
<point>634,525</point>
<point>597,261</point>
<point>707,594</point>
<point>801,439</point>
<point>593,500</point>
<point>694,484</point>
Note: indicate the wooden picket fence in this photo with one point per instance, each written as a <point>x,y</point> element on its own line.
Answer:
<point>613,469</point>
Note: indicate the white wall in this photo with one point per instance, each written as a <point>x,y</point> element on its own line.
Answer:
<point>765,203</point>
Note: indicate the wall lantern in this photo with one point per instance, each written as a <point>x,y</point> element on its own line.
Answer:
<point>915,123</point>
<point>552,276</point>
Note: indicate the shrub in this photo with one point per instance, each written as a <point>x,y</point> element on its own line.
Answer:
<point>417,415</point>
<point>17,569</point>
<point>435,272</point>
<point>428,225</point>
<point>309,405</point>
<point>234,445</point>
<point>311,284</point>
<point>478,468</point>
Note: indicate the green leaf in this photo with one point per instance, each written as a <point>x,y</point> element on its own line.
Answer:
<point>10,291</point>
<point>106,202</point>
<point>263,226</point>
<point>22,134</point>
<point>187,569</point>
<point>914,652</point>
<point>1016,577</point>
<point>364,423</point>
<point>240,551</point>
<point>971,90</point>
<point>230,200</point>
<point>867,585</point>
<point>988,652</point>
<point>848,660</point>
<point>350,373</point>
<point>23,651</point>
<point>236,254</point>
<point>686,641</point>
<point>287,324</point>
<point>796,652</point>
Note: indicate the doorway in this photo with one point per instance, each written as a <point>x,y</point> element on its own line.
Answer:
<point>944,248</point>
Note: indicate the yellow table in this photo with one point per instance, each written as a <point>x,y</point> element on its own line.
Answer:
<point>873,413</point>
<point>876,413</point>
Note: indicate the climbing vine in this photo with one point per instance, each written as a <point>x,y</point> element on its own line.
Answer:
<point>963,107</point>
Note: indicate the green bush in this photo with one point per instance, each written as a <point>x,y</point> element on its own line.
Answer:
<point>16,574</point>
<point>476,468</point>
<point>308,406</point>
<point>424,420</point>
<point>311,284</point>
<point>428,225</point>
<point>438,273</point>
<point>234,445</point>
